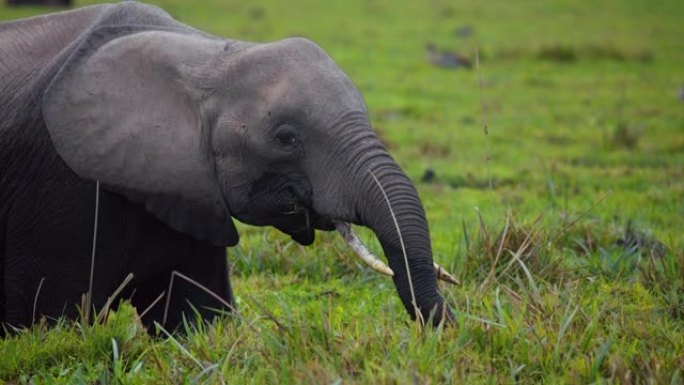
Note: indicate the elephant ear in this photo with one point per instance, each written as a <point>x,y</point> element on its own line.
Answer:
<point>121,112</point>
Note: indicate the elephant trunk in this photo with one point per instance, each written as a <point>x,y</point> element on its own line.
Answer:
<point>382,198</point>
<point>394,212</point>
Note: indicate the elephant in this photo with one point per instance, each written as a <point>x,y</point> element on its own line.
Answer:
<point>130,142</point>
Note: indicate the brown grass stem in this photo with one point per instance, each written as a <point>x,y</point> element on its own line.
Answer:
<point>485,121</point>
<point>492,270</point>
<point>174,274</point>
<point>148,308</point>
<point>102,315</point>
<point>88,302</point>
<point>35,301</point>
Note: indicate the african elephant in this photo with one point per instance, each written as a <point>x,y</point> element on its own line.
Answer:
<point>183,131</point>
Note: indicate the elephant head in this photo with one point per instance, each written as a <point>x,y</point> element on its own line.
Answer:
<point>202,130</point>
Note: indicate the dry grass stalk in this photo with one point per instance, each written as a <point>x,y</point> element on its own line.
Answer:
<point>87,301</point>
<point>175,274</point>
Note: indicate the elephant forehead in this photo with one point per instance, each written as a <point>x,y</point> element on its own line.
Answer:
<point>320,98</point>
<point>296,73</point>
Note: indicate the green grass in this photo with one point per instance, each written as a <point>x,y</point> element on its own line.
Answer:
<point>586,139</point>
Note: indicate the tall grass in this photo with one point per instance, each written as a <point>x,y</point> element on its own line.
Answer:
<point>587,291</point>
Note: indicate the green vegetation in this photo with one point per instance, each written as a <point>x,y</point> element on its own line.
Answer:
<point>568,242</point>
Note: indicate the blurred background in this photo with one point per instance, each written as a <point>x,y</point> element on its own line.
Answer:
<point>575,109</point>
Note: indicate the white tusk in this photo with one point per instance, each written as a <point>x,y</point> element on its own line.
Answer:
<point>444,275</point>
<point>355,243</point>
<point>371,260</point>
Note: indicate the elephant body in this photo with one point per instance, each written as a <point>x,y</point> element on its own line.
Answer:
<point>184,131</point>
<point>47,213</point>
<point>51,241</point>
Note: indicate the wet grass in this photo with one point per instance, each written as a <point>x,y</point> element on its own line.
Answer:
<point>568,242</point>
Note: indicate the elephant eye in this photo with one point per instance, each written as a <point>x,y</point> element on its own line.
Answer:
<point>286,135</point>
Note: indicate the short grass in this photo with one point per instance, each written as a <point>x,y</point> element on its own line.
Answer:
<point>568,240</point>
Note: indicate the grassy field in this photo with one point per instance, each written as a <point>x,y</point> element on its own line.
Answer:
<point>563,219</point>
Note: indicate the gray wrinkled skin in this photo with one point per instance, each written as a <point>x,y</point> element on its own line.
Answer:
<point>185,131</point>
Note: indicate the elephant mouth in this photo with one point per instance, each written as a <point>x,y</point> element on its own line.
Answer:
<point>284,202</point>
<point>300,222</point>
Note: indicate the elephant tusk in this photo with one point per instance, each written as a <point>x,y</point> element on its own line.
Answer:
<point>371,260</point>
<point>444,275</point>
<point>355,243</point>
